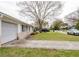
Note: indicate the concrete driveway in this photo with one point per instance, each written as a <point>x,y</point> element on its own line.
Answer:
<point>61,32</point>
<point>66,45</point>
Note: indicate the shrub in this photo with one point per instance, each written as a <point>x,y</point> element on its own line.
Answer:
<point>34,33</point>
<point>77,25</point>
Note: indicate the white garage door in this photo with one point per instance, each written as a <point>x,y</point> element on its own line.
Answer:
<point>9,32</point>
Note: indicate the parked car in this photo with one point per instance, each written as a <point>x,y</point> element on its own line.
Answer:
<point>44,30</point>
<point>73,32</point>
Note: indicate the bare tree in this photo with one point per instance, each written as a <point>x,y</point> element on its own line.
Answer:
<point>40,10</point>
<point>43,22</point>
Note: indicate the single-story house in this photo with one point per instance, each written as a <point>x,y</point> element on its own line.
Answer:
<point>10,27</point>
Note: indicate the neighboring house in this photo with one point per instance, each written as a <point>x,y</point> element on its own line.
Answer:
<point>10,27</point>
<point>64,26</point>
<point>72,18</point>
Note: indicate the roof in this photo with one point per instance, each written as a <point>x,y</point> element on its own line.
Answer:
<point>13,18</point>
<point>74,14</point>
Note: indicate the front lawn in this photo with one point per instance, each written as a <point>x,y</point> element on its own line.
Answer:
<point>55,36</point>
<point>30,52</point>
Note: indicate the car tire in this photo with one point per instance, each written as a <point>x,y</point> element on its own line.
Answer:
<point>74,33</point>
<point>67,33</point>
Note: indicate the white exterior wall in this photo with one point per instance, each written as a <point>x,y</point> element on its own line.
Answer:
<point>27,28</point>
<point>0,28</point>
<point>0,32</point>
<point>19,28</point>
<point>31,29</point>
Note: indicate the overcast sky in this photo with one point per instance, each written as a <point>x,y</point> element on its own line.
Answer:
<point>9,7</point>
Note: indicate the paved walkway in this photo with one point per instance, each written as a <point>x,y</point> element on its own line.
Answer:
<point>67,45</point>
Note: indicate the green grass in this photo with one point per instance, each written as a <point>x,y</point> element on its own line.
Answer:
<point>55,36</point>
<point>31,52</point>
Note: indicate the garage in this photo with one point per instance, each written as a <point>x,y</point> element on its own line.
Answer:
<point>9,32</point>
<point>11,27</point>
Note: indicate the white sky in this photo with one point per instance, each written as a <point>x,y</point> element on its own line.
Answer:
<point>9,7</point>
